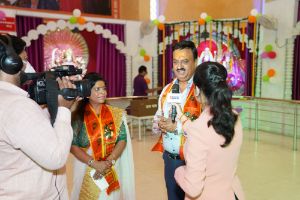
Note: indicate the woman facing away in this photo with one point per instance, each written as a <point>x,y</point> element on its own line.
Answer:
<point>102,148</point>
<point>213,140</point>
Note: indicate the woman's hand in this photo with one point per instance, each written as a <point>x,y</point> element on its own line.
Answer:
<point>102,166</point>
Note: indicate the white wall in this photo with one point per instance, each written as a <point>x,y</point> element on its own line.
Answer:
<point>135,41</point>
<point>284,11</point>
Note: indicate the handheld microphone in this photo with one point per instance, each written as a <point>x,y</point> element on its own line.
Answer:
<point>175,92</point>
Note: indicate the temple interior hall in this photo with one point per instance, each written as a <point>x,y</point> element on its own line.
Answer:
<point>257,41</point>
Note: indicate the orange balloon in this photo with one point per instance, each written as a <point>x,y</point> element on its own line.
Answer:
<point>147,80</point>
<point>146,58</point>
<point>271,72</point>
<point>81,20</point>
<point>201,21</point>
<point>251,19</point>
<point>161,26</point>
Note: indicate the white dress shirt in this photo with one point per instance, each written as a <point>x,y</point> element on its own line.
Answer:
<point>171,141</point>
<point>30,148</point>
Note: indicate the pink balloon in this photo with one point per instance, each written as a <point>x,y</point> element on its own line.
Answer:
<point>272,54</point>
<point>264,55</point>
<point>2,14</point>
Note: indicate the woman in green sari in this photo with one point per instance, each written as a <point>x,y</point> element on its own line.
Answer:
<point>103,167</point>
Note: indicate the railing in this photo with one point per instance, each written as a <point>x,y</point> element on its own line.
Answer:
<point>259,114</point>
<point>272,115</point>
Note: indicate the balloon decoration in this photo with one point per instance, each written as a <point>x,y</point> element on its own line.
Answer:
<point>146,58</point>
<point>43,29</point>
<point>142,52</point>
<point>144,55</point>
<point>271,73</point>
<point>159,22</point>
<point>77,18</point>
<point>266,78</point>
<point>268,53</point>
<point>252,18</point>
<point>269,76</point>
<point>147,80</point>
<point>204,18</point>
<point>201,21</point>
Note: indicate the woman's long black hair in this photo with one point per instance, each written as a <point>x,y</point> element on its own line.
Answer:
<point>210,78</point>
<point>78,113</point>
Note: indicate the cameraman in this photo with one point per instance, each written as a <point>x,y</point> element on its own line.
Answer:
<point>19,46</point>
<point>30,148</point>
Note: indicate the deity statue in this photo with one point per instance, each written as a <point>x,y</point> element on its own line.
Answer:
<point>205,56</point>
<point>66,57</point>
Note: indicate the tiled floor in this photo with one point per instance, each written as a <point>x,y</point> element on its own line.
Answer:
<point>268,169</point>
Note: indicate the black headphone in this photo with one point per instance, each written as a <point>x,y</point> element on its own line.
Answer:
<point>10,62</point>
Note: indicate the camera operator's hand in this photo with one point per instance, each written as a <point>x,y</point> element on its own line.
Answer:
<point>65,82</point>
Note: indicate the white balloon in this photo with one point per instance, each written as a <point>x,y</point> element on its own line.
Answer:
<point>203,15</point>
<point>76,12</point>
<point>71,26</point>
<point>81,27</point>
<point>254,12</point>
<point>61,24</point>
<point>52,26</point>
<point>33,34</point>
<point>161,18</point>
<point>90,26</point>
<point>42,29</point>
<point>114,39</point>
<point>119,43</point>
<point>28,43</point>
<point>24,38</point>
<point>124,51</point>
<point>98,29</point>
<point>106,33</point>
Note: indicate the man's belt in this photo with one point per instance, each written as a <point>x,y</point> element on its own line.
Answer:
<point>173,156</point>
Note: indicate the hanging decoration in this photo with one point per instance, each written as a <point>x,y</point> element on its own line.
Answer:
<point>268,52</point>
<point>43,29</point>
<point>143,53</point>
<point>201,20</point>
<point>159,22</point>
<point>77,18</point>
<point>222,40</point>
<point>269,76</point>
<point>252,20</point>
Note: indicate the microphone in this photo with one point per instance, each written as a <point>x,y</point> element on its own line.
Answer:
<point>175,97</point>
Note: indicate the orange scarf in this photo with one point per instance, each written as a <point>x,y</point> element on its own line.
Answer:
<point>102,134</point>
<point>191,109</point>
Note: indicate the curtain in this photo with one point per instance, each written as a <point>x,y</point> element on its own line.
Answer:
<point>91,41</point>
<point>110,62</point>
<point>296,68</point>
<point>36,50</point>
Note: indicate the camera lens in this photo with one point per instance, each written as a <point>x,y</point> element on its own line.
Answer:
<point>83,88</point>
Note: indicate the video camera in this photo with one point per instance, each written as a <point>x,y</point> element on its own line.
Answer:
<point>44,88</point>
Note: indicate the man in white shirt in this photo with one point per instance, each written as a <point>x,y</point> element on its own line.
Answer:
<point>30,148</point>
<point>172,138</point>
